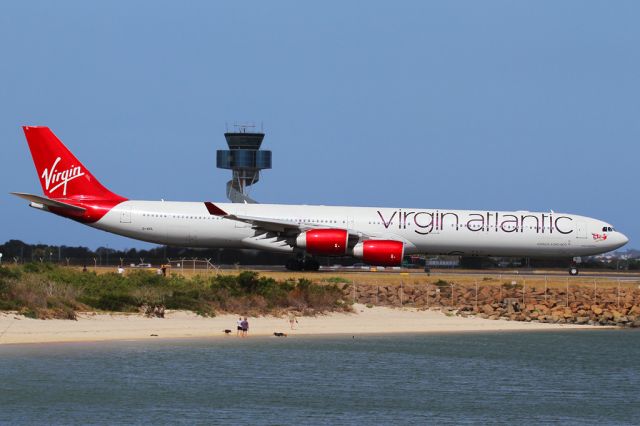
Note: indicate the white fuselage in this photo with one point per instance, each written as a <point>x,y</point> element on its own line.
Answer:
<point>457,232</point>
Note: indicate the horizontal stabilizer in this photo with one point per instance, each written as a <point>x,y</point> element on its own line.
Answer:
<point>48,202</point>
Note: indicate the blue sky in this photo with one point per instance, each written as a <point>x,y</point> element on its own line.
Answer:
<point>459,104</point>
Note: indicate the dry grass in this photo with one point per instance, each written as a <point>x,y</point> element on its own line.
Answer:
<point>552,279</point>
<point>489,278</point>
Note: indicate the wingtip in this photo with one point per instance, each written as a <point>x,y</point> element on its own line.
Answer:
<point>214,210</point>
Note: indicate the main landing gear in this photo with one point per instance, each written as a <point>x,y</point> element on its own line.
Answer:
<point>303,264</point>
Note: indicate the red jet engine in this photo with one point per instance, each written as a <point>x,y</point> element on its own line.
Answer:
<point>324,242</point>
<point>380,252</point>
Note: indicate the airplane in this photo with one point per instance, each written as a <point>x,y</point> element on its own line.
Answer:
<point>380,236</point>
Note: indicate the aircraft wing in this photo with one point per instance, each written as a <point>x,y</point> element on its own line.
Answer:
<point>282,226</point>
<point>38,202</point>
<point>290,227</point>
<point>275,225</point>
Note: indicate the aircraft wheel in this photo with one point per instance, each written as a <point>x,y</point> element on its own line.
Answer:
<point>294,265</point>
<point>311,264</point>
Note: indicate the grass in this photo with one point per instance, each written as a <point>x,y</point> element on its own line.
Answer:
<point>407,277</point>
<point>41,290</point>
<point>337,280</point>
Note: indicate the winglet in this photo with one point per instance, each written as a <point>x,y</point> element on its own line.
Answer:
<point>214,210</point>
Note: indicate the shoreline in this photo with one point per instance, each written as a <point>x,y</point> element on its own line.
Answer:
<point>97,327</point>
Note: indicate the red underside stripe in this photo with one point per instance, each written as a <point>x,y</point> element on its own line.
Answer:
<point>95,209</point>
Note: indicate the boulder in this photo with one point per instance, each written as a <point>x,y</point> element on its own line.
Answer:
<point>582,320</point>
<point>596,309</point>
<point>616,314</point>
<point>635,310</point>
<point>542,308</point>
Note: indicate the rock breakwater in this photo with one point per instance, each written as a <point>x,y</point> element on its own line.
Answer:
<point>614,305</point>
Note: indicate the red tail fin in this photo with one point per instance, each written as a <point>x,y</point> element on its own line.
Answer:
<point>61,174</point>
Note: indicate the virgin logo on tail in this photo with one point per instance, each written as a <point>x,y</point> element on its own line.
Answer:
<point>60,178</point>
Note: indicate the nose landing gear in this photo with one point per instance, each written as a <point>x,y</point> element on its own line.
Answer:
<point>573,268</point>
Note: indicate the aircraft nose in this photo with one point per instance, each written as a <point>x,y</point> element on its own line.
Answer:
<point>618,240</point>
<point>623,239</point>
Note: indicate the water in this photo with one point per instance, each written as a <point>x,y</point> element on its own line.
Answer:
<point>573,377</point>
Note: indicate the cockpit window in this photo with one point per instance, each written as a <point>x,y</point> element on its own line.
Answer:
<point>607,229</point>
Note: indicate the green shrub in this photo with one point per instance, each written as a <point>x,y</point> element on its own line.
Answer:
<point>34,267</point>
<point>248,281</point>
<point>304,284</point>
<point>442,283</point>
<point>511,286</point>
<point>29,313</point>
<point>116,302</point>
<point>337,280</point>
<point>49,291</point>
<point>9,273</point>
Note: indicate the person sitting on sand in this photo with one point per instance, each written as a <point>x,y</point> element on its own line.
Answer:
<point>245,327</point>
<point>239,327</point>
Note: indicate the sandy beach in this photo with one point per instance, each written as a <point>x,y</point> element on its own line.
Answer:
<point>180,324</point>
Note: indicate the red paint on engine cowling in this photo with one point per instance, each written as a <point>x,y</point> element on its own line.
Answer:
<point>382,252</point>
<point>327,242</point>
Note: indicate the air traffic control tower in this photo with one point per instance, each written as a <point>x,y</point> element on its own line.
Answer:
<point>245,160</point>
